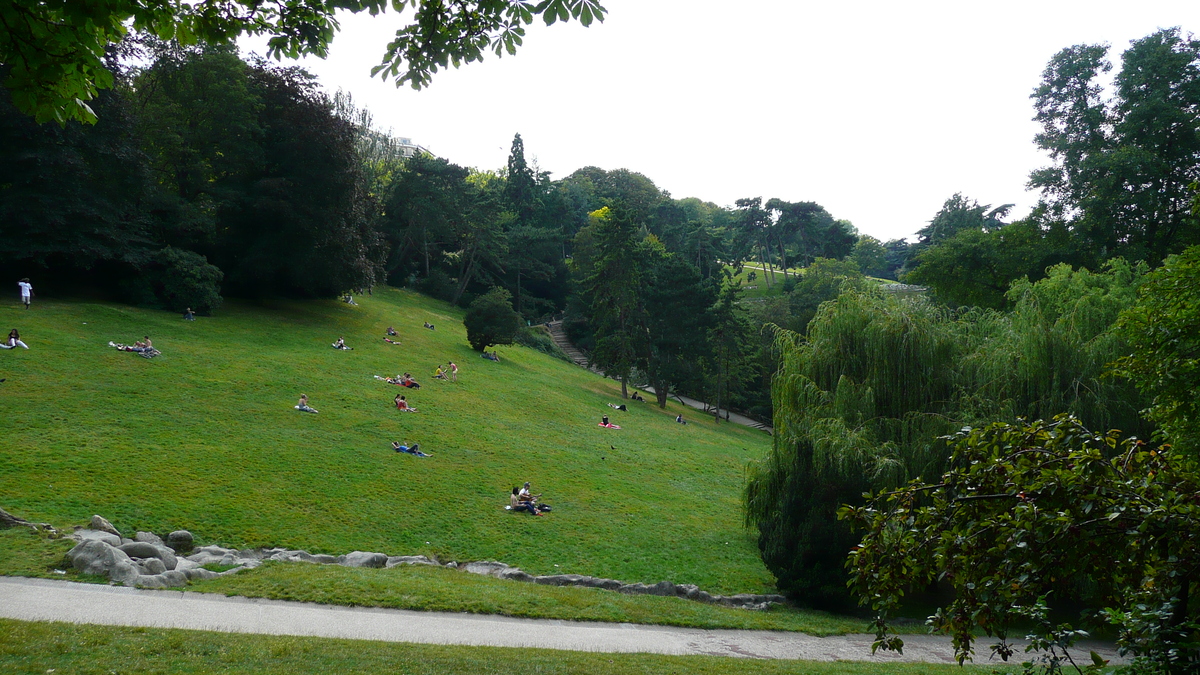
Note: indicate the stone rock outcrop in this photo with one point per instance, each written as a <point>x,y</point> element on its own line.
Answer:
<point>141,549</point>
<point>106,537</point>
<point>145,561</point>
<point>93,556</point>
<point>102,524</point>
<point>364,559</point>
<point>181,541</point>
<point>149,538</point>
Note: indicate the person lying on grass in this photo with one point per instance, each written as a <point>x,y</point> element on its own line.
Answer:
<point>13,341</point>
<point>621,407</point>
<point>341,344</point>
<point>391,341</point>
<point>143,347</point>
<point>490,356</point>
<point>429,325</point>
<point>397,380</point>
<point>412,450</point>
<point>303,405</point>
<point>515,504</point>
<point>402,404</point>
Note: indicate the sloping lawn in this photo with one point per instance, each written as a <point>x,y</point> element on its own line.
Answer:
<point>205,438</point>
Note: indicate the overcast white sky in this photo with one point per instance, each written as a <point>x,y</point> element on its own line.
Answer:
<point>879,111</point>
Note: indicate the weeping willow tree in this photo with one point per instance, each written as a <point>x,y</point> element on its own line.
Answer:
<point>1053,353</point>
<point>862,400</point>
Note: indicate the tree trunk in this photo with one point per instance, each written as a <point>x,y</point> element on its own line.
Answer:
<point>466,275</point>
<point>720,384</point>
<point>625,385</point>
<point>519,292</point>
<point>425,243</point>
<point>660,393</point>
<point>762,259</point>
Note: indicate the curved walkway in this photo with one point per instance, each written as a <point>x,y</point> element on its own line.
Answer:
<point>50,600</point>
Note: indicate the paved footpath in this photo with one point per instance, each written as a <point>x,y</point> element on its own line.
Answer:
<point>50,600</point>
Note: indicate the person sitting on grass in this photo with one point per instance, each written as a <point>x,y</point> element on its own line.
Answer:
<point>410,449</point>
<point>303,405</point>
<point>635,396</point>
<point>679,418</point>
<point>402,404</point>
<point>13,341</point>
<point>515,504</point>
<point>490,356</point>
<point>391,331</point>
<point>429,325</point>
<point>189,315</point>
<point>409,382</point>
<point>440,374</point>
<point>341,344</point>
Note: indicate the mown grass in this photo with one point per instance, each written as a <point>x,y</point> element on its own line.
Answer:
<point>444,590</point>
<point>38,648</point>
<point>205,438</point>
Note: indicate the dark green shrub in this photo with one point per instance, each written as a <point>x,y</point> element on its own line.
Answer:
<point>175,279</point>
<point>491,320</point>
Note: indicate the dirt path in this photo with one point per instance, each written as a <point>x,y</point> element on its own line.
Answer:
<point>50,600</point>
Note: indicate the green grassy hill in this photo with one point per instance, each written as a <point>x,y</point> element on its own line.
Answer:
<point>205,438</point>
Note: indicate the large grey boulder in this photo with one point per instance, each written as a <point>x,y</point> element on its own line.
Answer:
<point>395,560</point>
<point>209,554</point>
<point>99,535</point>
<point>485,567</point>
<point>141,549</point>
<point>365,559</point>
<point>149,538</point>
<point>515,574</point>
<point>150,565</point>
<point>170,579</point>
<point>180,540</point>
<point>102,524</point>
<point>198,574</point>
<point>96,557</point>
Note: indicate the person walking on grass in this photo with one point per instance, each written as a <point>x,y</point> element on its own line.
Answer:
<point>453,372</point>
<point>26,291</point>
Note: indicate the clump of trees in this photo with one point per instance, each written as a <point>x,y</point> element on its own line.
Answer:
<point>862,399</point>
<point>966,416</point>
<point>206,175</point>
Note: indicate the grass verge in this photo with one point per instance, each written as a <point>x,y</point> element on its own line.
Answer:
<point>29,648</point>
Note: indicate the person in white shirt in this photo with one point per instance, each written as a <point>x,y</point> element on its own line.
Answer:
<point>13,341</point>
<point>26,291</point>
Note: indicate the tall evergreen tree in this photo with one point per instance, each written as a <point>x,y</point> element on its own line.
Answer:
<point>520,188</point>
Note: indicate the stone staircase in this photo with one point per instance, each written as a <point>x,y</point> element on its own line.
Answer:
<point>560,338</point>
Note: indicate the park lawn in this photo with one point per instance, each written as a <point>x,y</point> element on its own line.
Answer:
<point>205,438</point>
<point>35,648</point>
